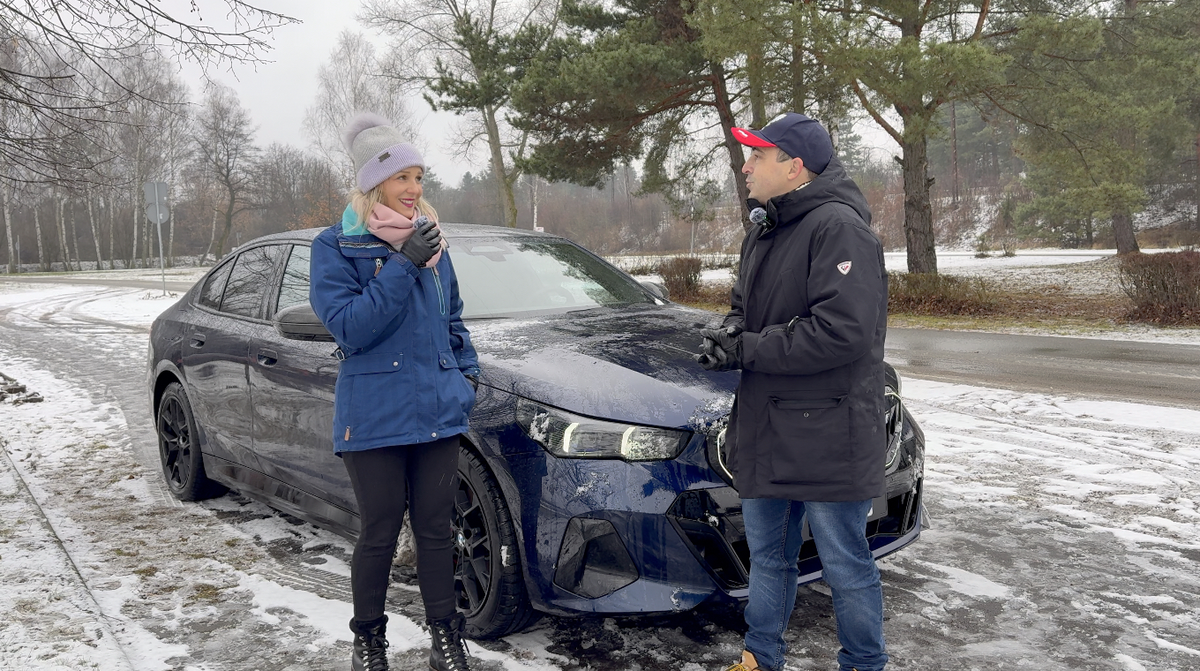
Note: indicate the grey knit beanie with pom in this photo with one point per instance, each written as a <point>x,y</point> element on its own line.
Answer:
<point>378,150</point>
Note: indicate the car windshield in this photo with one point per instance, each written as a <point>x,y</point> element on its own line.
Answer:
<point>508,278</point>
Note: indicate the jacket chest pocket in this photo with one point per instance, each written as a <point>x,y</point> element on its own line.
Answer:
<point>809,439</point>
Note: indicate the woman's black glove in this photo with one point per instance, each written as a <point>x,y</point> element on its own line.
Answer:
<point>474,380</point>
<point>425,241</point>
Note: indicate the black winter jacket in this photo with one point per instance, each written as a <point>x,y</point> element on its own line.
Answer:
<point>811,294</point>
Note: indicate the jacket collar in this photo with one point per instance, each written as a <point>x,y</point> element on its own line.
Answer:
<point>356,245</point>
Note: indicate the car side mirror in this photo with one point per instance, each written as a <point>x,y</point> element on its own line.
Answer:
<point>656,289</point>
<point>300,322</point>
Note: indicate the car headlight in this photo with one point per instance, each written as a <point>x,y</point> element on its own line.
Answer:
<point>564,434</point>
<point>894,421</point>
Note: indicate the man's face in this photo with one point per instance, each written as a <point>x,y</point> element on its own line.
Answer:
<point>766,176</point>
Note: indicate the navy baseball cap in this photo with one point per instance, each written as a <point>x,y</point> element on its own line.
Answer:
<point>795,135</point>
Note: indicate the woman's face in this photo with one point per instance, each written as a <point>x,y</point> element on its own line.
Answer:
<point>401,191</point>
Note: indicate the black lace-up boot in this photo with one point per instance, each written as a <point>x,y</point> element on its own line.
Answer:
<point>370,646</point>
<point>449,651</point>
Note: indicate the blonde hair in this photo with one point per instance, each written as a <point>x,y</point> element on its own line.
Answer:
<point>363,203</point>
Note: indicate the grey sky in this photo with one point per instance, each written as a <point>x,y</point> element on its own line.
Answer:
<point>278,93</point>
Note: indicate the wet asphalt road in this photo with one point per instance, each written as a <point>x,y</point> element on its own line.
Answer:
<point>1143,372</point>
<point>1153,373</point>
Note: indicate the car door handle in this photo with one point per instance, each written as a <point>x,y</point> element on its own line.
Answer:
<point>198,339</point>
<point>267,357</point>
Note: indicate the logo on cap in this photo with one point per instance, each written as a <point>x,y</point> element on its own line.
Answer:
<point>844,267</point>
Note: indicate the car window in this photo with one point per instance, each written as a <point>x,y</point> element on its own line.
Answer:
<point>501,278</point>
<point>214,286</point>
<point>248,283</point>
<point>293,290</point>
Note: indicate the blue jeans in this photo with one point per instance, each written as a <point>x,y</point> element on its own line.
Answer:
<point>839,529</point>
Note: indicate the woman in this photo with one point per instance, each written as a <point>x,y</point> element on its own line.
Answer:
<point>384,287</point>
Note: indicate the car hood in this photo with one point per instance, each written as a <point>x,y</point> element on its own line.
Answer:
<point>630,365</point>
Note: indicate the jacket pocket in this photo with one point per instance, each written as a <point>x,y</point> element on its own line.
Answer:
<point>446,359</point>
<point>361,364</point>
<point>809,439</point>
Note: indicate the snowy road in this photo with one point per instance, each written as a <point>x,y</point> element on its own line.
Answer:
<point>1064,536</point>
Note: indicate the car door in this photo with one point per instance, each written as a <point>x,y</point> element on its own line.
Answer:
<point>291,389</point>
<point>215,358</point>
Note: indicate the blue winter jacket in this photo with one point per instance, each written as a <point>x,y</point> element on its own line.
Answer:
<point>406,349</point>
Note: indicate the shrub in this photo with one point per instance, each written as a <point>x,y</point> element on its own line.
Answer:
<point>1164,288</point>
<point>681,274</point>
<point>933,294</point>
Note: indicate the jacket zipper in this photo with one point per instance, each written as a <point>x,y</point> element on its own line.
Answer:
<point>441,297</point>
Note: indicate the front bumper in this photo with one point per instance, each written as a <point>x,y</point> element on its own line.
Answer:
<point>711,522</point>
<point>611,537</point>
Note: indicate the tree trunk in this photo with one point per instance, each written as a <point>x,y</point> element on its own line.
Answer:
<point>918,214</point>
<point>14,264</point>
<point>228,227</point>
<point>1122,223</point>
<point>212,236</point>
<point>95,228</point>
<point>75,242</point>
<point>954,153</point>
<point>112,232</point>
<point>171,239</point>
<point>736,158</point>
<point>62,236</point>
<point>37,224</point>
<point>1196,197</point>
<point>503,182</point>
<point>133,254</point>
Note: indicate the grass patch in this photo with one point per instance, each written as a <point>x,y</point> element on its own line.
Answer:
<point>1050,309</point>
<point>937,294</point>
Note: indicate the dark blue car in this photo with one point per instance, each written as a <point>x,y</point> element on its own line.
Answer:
<point>592,480</point>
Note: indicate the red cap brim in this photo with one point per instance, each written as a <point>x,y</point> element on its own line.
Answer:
<point>750,138</point>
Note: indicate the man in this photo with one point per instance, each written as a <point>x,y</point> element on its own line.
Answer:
<point>806,435</point>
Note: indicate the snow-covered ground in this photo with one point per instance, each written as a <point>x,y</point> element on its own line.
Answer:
<point>1064,534</point>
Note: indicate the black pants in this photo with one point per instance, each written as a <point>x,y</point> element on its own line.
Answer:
<point>385,479</point>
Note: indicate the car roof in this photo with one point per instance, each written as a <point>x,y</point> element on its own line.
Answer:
<point>451,230</point>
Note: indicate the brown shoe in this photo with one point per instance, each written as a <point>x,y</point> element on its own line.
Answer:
<point>748,663</point>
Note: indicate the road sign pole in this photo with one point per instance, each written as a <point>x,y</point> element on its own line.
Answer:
<point>156,212</point>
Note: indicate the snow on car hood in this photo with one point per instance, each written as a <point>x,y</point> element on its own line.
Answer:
<point>634,365</point>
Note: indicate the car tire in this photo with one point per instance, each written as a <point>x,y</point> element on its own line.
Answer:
<point>489,587</point>
<point>179,447</point>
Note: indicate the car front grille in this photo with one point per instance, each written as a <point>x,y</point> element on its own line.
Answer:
<point>710,521</point>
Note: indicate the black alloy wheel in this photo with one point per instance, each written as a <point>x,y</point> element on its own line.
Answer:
<point>488,586</point>
<point>179,448</point>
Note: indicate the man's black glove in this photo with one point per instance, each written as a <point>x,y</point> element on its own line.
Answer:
<point>721,348</point>
<point>424,242</point>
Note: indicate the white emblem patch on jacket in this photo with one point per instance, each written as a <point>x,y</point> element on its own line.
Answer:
<point>844,267</point>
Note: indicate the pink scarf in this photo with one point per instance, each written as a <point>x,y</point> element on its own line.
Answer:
<point>394,228</point>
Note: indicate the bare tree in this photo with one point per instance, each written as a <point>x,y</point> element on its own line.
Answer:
<point>86,37</point>
<point>352,81</point>
<point>463,51</point>
<point>225,148</point>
